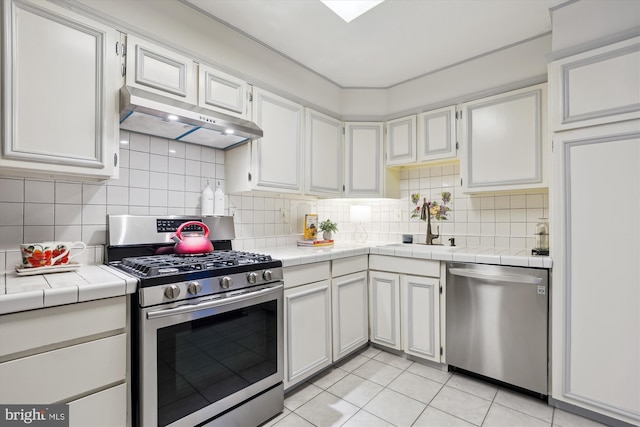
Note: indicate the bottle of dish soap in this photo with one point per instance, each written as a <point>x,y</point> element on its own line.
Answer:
<point>219,201</point>
<point>206,201</point>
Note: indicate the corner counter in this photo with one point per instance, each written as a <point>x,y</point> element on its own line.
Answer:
<point>295,255</point>
<point>89,282</point>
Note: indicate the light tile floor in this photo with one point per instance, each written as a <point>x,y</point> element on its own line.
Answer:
<point>374,388</point>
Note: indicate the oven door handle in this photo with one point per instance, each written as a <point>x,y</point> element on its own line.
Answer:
<point>213,304</point>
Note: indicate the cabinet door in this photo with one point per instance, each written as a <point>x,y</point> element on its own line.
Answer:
<point>596,87</point>
<point>277,156</point>
<point>401,141</point>
<point>107,408</point>
<point>222,92</point>
<point>160,70</point>
<point>504,144</point>
<point>324,155</point>
<point>420,316</point>
<point>350,313</point>
<point>307,323</point>
<point>364,166</point>
<point>60,105</point>
<point>437,134</point>
<point>384,309</point>
<point>596,244</point>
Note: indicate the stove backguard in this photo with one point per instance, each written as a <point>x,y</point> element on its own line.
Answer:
<point>141,235</point>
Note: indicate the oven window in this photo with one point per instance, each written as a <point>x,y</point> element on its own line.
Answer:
<point>205,360</point>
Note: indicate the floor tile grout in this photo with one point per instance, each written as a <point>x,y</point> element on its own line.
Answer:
<point>458,388</point>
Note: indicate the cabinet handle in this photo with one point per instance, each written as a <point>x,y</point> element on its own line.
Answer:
<point>499,277</point>
<point>115,160</point>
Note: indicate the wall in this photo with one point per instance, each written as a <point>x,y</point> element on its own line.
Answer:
<point>178,26</point>
<point>157,176</point>
<point>162,177</point>
<point>587,24</point>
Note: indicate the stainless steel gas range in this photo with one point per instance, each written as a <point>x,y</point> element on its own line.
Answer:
<point>207,329</point>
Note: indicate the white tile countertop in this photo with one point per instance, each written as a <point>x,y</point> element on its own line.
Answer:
<point>295,255</point>
<point>89,282</point>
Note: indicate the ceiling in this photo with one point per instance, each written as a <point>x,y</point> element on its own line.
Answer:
<point>395,41</point>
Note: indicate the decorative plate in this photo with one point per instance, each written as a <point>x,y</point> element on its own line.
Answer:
<point>45,270</point>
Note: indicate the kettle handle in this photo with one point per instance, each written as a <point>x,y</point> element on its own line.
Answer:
<point>185,224</point>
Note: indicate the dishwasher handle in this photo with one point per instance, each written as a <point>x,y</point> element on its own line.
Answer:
<point>511,278</point>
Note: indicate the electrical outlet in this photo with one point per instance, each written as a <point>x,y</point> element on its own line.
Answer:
<point>233,212</point>
<point>397,215</point>
<point>284,215</point>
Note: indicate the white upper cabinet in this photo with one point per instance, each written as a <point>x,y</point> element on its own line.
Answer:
<point>273,162</point>
<point>160,70</point>
<point>59,105</point>
<point>504,141</point>
<point>437,135</point>
<point>596,87</point>
<point>401,141</point>
<point>324,150</point>
<point>222,92</point>
<point>365,174</point>
<point>423,138</point>
<point>277,156</point>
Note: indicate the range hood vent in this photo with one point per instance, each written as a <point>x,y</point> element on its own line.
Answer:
<point>157,115</point>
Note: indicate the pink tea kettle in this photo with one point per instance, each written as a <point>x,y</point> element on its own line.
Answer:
<point>192,243</point>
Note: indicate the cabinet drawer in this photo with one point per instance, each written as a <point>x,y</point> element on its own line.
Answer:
<point>343,266</point>
<point>107,408</point>
<point>418,267</point>
<point>39,328</point>
<point>307,273</point>
<point>57,375</point>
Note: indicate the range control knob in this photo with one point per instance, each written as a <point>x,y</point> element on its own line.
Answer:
<point>172,291</point>
<point>252,278</point>
<point>225,282</point>
<point>194,288</point>
<point>266,275</point>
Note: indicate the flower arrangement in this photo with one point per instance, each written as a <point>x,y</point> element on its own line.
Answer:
<point>434,209</point>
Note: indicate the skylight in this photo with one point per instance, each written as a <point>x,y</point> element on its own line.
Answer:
<point>350,9</point>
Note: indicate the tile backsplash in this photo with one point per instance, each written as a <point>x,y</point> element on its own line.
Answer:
<point>165,177</point>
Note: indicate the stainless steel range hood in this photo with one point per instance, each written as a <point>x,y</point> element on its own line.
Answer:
<point>153,114</point>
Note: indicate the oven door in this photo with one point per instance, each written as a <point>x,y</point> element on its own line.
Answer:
<point>206,356</point>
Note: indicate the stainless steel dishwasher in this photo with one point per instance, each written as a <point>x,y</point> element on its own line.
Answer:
<point>497,323</point>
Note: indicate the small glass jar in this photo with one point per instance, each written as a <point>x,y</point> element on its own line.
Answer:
<point>542,235</point>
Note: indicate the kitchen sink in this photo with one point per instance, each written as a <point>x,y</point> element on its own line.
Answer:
<point>425,248</point>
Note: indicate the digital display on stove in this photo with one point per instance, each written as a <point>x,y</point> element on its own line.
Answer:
<point>171,225</point>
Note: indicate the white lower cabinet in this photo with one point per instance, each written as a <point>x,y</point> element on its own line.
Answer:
<point>405,308</point>
<point>420,309</point>
<point>350,305</point>
<point>384,303</point>
<point>56,354</point>
<point>307,322</point>
<point>96,410</point>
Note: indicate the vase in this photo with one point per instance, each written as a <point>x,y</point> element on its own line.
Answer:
<point>326,235</point>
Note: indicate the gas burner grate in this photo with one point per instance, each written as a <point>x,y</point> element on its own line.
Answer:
<point>165,265</point>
